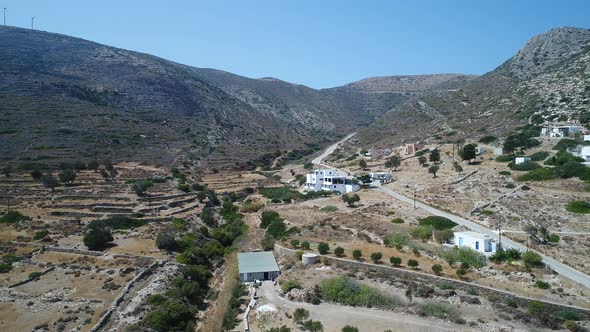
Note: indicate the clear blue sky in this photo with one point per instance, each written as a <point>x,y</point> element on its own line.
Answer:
<point>319,43</point>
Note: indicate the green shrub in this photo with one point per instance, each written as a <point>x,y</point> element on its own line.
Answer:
<point>12,217</point>
<point>535,307</point>
<point>504,173</point>
<point>357,254</point>
<point>268,217</point>
<point>568,315</point>
<point>542,284</point>
<point>376,257</point>
<point>97,235</point>
<point>565,143</point>
<point>540,174</point>
<point>329,208</point>
<point>465,255</point>
<point>397,221</point>
<point>421,232</point>
<point>313,326</point>
<point>323,248</point>
<point>300,315</point>
<point>5,267</point>
<point>488,139</point>
<point>397,240</point>
<point>289,285</point>
<point>526,166</point>
<point>40,235</point>
<point>349,328</point>
<point>439,310</point>
<point>156,299</point>
<point>395,261</point>
<point>531,258</point>
<point>413,263</point>
<point>504,158</point>
<point>339,252</point>
<point>539,156</point>
<point>446,287</point>
<point>437,222</point>
<point>345,290</point>
<point>578,207</point>
<point>305,245</point>
<point>35,275</point>
<point>437,269</point>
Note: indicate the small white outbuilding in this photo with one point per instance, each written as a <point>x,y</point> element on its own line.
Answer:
<point>521,160</point>
<point>476,241</point>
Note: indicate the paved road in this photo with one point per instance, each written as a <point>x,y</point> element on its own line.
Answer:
<point>559,267</point>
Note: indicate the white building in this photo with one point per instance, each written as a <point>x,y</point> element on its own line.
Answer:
<point>521,160</point>
<point>560,131</point>
<point>331,180</point>
<point>479,150</point>
<point>582,152</point>
<point>498,151</point>
<point>476,241</point>
<point>381,177</point>
<point>257,266</point>
<point>586,138</point>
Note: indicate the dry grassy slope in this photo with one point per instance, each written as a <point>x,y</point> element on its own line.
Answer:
<point>408,84</point>
<point>549,76</point>
<point>63,83</point>
<point>91,99</point>
<point>339,110</point>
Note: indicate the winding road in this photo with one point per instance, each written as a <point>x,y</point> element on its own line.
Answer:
<point>555,265</point>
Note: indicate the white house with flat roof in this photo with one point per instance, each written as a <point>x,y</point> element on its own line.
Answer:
<point>381,177</point>
<point>254,266</point>
<point>582,152</point>
<point>521,160</point>
<point>331,180</point>
<point>560,130</point>
<point>476,241</point>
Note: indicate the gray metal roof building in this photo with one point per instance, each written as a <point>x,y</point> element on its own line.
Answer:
<point>257,266</point>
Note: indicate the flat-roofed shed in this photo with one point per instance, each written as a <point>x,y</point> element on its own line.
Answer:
<point>257,266</point>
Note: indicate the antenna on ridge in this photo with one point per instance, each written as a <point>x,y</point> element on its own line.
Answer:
<point>33,23</point>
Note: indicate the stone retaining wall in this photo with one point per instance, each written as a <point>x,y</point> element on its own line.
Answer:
<point>22,282</point>
<point>109,312</point>
<point>388,272</point>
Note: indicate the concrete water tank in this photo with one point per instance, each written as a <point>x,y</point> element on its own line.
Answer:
<point>309,259</point>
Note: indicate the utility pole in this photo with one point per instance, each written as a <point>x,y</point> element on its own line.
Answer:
<point>33,23</point>
<point>4,16</point>
<point>414,198</point>
<point>499,235</point>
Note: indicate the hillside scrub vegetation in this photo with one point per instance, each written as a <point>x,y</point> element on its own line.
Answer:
<point>345,290</point>
<point>582,207</point>
<point>437,222</point>
<point>465,256</point>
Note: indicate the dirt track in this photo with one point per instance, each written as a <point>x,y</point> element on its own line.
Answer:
<point>334,317</point>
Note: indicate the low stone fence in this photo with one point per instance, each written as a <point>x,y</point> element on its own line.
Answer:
<point>388,272</point>
<point>109,312</point>
<point>22,282</point>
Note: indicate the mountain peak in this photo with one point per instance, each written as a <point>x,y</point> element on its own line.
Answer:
<point>548,49</point>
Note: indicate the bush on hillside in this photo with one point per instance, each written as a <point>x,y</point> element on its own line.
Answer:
<point>578,207</point>
<point>437,222</point>
<point>345,290</point>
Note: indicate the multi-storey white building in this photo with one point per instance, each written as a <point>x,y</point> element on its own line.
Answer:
<point>331,180</point>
